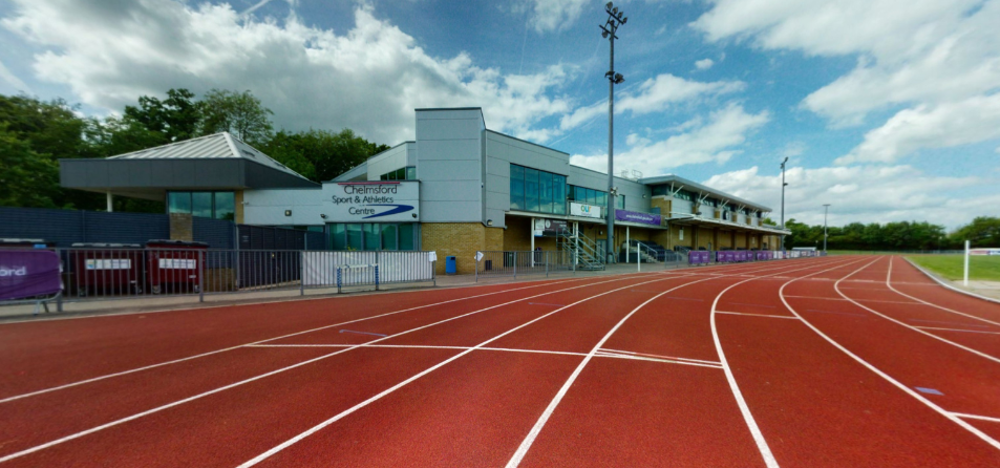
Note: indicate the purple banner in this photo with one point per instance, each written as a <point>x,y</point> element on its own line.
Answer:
<point>698,256</point>
<point>28,273</point>
<point>637,217</point>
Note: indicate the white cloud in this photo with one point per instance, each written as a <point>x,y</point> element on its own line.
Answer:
<point>923,55</point>
<point>704,64</point>
<point>793,149</point>
<point>555,15</point>
<point>654,95</point>
<point>715,141</point>
<point>369,78</point>
<point>13,80</point>
<point>860,193</point>
<point>949,124</point>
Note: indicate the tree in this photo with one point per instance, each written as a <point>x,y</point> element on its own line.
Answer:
<point>27,178</point>
<point>240,114</point>
<point>175,118</point>
<point>320,155</point>
<point>984,231</point>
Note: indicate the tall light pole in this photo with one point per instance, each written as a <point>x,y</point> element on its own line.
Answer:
<point>609,28</point>
<point>783,185</point>
<point>826,210</point>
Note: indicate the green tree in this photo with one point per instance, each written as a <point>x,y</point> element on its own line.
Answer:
<point>983,231</point>
<point>320,155</point>
<point>175,118</point>
<point>241,114</point>
<point>27,178</point>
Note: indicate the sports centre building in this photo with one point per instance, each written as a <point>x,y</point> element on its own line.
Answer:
<point>457,189</point>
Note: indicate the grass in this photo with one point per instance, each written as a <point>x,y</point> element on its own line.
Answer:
<point>981,268</point>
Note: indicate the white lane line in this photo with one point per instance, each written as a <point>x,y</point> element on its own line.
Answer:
<point>976,416</point>
<point>751,423</point>
<point>345,413</point>
<point>888,282</point>
<point>755,315</point>
<point>231,348</point>
<point>278,371</point>
<point>522,450</point>
<point>652,359</point>
<point>526,444</point>
<point>959,330</point>
<point>390,346</point>
<point>836,287</point>
<point>618,351</point>
<point>889,379</point>
<point>863,300</point>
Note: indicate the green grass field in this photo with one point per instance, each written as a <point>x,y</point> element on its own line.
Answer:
<point>981,268</point>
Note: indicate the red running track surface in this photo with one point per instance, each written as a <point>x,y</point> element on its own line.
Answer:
<point>837,361</point>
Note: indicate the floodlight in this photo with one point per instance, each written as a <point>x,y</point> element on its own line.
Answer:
<point>614,11</point>
<point>625,20</point>
<point>604,34</point>
<point>609,5</point>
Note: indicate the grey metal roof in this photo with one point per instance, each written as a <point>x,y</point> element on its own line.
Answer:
<point>218,146</point>
<point>691,185</point>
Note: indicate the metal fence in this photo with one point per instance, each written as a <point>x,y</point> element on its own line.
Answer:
<point>130,272</point>
<point>513,263</point>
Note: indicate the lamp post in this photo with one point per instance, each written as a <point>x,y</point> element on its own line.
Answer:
<point>610,27</point>
<point>783,185</point>
<point>826,210</point>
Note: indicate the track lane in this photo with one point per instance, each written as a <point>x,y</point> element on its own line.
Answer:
<point>243,394</point>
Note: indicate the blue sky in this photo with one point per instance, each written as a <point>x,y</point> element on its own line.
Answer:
<point>887,109</point>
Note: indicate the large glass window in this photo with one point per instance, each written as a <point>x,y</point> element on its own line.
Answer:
<point>539,191</point>
<point>372,236</point>
<point>355,240</point>
<point>407,239</point>
<point>201,204</point>
<point>338,237</point>
<point>179,202</point>
<point>403,173</point>
<point>389,232</point>
<point>516,187</point>
<point>225,205</point>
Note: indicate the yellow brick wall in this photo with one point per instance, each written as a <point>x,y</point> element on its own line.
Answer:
<point>462,240</point>
<point>239,207</point>
<point>706,236</point>
<point>741,240</point>
<point>725,240</point>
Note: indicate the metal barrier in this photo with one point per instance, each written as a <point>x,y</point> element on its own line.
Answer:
<point>514,263</point>
<point>130,272</point>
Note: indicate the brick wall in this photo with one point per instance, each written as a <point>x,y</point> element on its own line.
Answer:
<point>181,227</point>
<point>462,240</point>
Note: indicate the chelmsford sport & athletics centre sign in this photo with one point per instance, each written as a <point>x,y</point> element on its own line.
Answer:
<point>335,202</point>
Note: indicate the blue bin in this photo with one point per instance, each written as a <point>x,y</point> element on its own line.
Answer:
<point>450,266</point>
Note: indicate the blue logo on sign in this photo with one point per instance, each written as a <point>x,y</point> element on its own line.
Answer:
<point>396,210</point>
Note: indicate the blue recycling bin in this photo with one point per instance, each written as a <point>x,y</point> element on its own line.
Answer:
<point>450,266</point>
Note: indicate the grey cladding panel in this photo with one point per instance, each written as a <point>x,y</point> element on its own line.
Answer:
<point>451,211</point>
<point>449,170</point>
<point>457,129</point>
<point>450,191</point>
<point>451,150</point>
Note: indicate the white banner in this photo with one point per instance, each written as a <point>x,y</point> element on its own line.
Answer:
<point>986,251</point>
<point>588,211</point>
<point>359,268</point>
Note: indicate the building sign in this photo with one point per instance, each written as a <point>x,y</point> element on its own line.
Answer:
<point>336,202</point>
<point>587,211</point>
<point>28,273</point>
<point>550,227</point>
<point>637,217</point>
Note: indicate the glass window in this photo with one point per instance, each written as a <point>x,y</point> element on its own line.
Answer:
<point>406,237</point>
<point>201,204</point>
<point>354,237</point>
<point>545,192</point>
<point>516,187</point>
<point>559,194</point>
<point>411,173</point>
<point>601,200</point>
<point>372,236</point>
<point>225,205</point>
<point>389,237</point>
<point>580,194</point>
<point>620,202</point>
<point>530,189</point>
<point>179,202</point>
<point>338,236</point>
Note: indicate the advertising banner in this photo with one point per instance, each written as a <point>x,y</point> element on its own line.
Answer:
<point>987,251</point>
<point>588,211</point>
<point>637,217</point>
<point>698,256</point>
<point>550,227</point>
<point>28,273</point>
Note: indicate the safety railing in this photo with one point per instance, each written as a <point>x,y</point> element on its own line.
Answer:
<point>514,263</point>
<point>130,272</point>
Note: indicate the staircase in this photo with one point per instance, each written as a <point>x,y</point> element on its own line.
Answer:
<point>583,249</point>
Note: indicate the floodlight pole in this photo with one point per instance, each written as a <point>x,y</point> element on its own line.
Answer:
<point>615,19</point>
<point>826,210</point>
<point>783,184</point>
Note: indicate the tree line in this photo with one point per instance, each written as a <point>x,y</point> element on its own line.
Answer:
<point>35,134</point>
<point>983,231</point>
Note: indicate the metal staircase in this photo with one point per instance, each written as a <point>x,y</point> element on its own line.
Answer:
<point>582,251</point>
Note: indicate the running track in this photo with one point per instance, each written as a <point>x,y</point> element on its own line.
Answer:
<point>837,361</point>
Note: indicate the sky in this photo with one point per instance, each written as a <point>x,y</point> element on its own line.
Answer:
<point>888,110</point>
